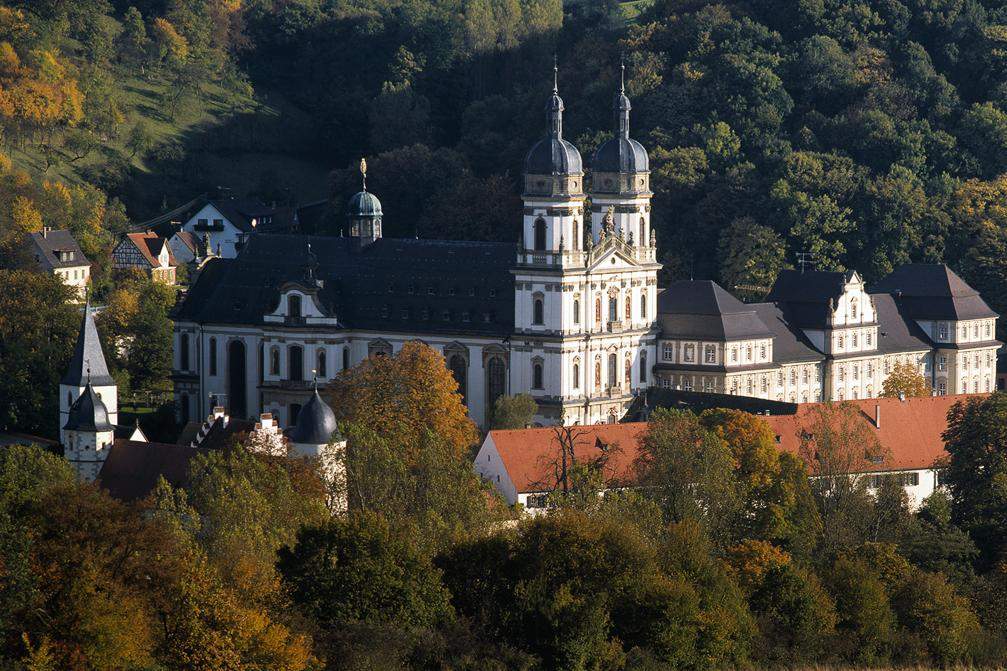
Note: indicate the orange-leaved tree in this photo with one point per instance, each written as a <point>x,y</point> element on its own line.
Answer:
<point>404,397</point>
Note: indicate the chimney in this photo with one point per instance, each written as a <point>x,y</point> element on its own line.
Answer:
<point>877,415</point>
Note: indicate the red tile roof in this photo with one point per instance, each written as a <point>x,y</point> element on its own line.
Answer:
<point>910,431</point>
<point>149,244</point>
<point>529,455</point>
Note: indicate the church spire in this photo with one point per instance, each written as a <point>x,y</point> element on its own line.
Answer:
<point>555,107</point>
<point>622,106</point>
<point>88,361</point>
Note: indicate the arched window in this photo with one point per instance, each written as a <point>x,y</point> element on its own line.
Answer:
<point>321,367</point>
<point>538,316</point>
<point>576,235</point>
<point>294,306</point>
<point>295,363</point>
<point>459,370</point>
<point>629,309</point>
<point>576,311</point>
<point>576,373</point>
<point>346,358</point>
<point>213,356</point>
<point>274,360</point>
<point>540,234</point>
<point>597,373</point>
<point>536,375</point>
<point>613,309</point>
<point>613,364</point>
<point>628,373</point>
<point>597,311</point>
<point>643,366</point>
<point>643,305</point>
<point>496,383</point>
<point>183,354</point>
<point>294,412</point>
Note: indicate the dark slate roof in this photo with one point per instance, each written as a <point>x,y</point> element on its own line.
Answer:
<point>316,423</point>
<point>928,291</point>
<point>131,468</point>
<point>897,332</point>
<point>621,154</point>
<point>553,156</point>
<point>363,204</point>
<point>241,211</point>
<point>87,354</point>
<point>812,286</point>
<point>88,413</point>
<point>45,248</point>
<point>703,310</point>
<point>397,285</point>
<point>790,345</point>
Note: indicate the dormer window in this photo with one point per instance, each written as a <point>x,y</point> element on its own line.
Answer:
<point>294,306</point>
<point>853,309</point>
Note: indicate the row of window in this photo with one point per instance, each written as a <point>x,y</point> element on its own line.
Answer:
<point>426,314</point>
<point>77,274</point>
<point>537,371</point>
<point>538,309</point>
<point>748,352</point>
<point>986,328</point>
<point>431,290</point>
<point>855,340</point>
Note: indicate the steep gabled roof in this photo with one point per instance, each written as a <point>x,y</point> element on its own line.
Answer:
<point>790,345</point>
<point>149,245</point>
<point>46,247</point>
<point>87,355</point>
<point>704,310</point>
<point>931,291</point>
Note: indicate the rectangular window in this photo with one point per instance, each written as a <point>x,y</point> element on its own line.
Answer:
<point>942,362</point>
<point>689,355</point>
<point>711,354</point>
<point>668,351</point>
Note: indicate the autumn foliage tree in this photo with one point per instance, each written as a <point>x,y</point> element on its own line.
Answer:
<point>403,397</point>
<point>905,381</point>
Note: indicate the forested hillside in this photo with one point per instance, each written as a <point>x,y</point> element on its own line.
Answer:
<point>866,134</point>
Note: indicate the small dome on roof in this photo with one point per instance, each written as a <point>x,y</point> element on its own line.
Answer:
<point>553,156</point>
<point>316,423</point>
<point>88,413</point>
<point>363,204</point>
<point>621,154</point>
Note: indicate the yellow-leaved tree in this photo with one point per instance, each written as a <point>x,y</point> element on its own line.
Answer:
<point>905,381</point>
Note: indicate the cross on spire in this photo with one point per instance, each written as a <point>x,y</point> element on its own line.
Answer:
<point>363,173</point>
<point>622,73</point>
<point>555,75</point>
<point>803,258</point>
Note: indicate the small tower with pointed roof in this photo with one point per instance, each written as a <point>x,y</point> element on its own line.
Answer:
<point>87,366</point>
<point>316,435</point>
<point>88,434</point>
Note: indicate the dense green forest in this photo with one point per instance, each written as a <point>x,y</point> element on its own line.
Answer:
<point>866,134</point>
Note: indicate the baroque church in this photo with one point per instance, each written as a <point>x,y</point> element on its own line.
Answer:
<point>571,315</point>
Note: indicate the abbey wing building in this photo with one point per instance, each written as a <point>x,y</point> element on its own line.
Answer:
<point>572,315</point>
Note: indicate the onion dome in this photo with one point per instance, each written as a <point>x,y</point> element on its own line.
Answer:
<point>552,155</point>
<point>316,423</point>
<point>88,413</point>
<point>621,154</point>
<point>363,204</point>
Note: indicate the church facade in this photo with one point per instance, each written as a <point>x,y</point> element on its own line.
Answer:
<point>571,315</point>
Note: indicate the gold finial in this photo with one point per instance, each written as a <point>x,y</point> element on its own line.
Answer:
<point>363,172</point>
